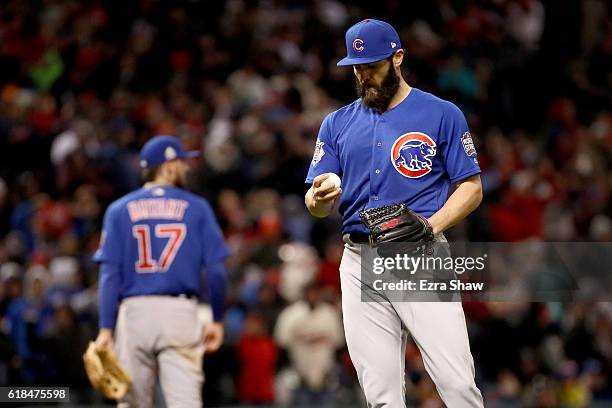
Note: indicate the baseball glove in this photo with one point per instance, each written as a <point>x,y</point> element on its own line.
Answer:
<point>396,223</point>
<point>105,372</point>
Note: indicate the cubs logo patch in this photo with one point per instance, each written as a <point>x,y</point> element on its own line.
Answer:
<point>358,45</point>
<point>318,153</point>
<point>411,154</point>
<point>468,144</point>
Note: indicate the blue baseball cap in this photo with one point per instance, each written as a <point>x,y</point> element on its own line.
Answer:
<point>369,41</point>
<point>161,149</point>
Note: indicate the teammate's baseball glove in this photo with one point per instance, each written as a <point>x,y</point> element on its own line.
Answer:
<point>105,372</point>
<point>396,223</point>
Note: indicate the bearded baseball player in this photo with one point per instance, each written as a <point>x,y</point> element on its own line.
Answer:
<point>406,154</point>
<point>156,242</point>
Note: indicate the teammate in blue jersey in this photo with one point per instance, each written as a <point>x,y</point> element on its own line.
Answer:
<point>157,243</point>
<point>396,144</point>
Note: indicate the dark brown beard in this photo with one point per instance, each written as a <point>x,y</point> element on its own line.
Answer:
<point>379,100</point>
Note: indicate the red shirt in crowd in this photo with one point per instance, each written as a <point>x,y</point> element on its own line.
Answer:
<point>257,359</point>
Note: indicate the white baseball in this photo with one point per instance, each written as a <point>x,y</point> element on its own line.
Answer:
<point>333,181</point>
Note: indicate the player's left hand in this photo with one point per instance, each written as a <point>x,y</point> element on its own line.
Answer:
<point>213,337</point>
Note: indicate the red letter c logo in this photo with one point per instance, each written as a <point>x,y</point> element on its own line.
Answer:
<point>358,45</point>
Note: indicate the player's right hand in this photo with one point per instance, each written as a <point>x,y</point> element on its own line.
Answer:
<point>213,337</point>
<point>105,338</point>
<point>322,191</point>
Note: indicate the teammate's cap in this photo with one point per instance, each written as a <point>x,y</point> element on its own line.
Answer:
<point>161,149</point>
<point>369,41</point>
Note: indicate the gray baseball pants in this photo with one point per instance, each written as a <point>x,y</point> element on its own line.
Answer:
<point>376,335</point>
<point>160,335</point>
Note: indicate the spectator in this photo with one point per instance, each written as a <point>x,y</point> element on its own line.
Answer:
<point>257,354</point>
<point>311,331</point>
<point>64,338</point>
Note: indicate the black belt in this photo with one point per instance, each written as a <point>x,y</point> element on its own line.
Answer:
<point>190,296</point>
<point>359,237</point>
<point>362,238</point>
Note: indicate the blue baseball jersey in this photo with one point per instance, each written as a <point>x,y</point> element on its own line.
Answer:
<point>410,154</point>
<point>161,239</point>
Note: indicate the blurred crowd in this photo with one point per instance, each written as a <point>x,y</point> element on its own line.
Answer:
<point>83,84</point>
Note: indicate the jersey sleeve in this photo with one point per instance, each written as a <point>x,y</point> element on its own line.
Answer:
<point>215,250</point>
<point>109,250</point>
<point>108,295</point>
<point>325,158</point>
<point>457,148</point>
